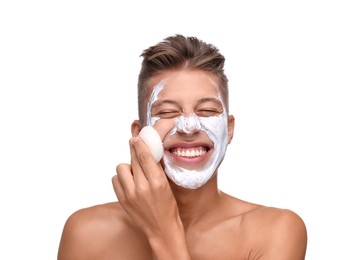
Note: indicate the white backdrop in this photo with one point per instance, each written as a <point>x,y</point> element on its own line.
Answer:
<point>68,72</point>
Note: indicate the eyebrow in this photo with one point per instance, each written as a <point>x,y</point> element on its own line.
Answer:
<point>165,101</point>
<point>209,99</point>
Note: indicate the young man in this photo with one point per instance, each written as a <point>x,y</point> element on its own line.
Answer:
<point>174,209</point>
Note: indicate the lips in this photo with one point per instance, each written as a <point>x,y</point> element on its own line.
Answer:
<point>189,152</point>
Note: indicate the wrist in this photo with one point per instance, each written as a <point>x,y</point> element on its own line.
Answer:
<point>170,243</point>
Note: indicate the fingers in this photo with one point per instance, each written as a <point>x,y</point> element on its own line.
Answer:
<point>142,161</point>
<point>137,171</point>
<point>117,187</point>
<point>143,171</point>
<point>123,183</point>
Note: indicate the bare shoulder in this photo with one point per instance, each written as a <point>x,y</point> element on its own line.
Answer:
<point>97,232</point>
<point>85,228</point>
<point>277,233</point>
<point>93,218</point>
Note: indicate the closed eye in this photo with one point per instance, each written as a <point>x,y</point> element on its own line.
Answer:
<point>167,114</point>
<point>208,112</point>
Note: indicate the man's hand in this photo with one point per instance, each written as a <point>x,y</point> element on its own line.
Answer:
<point>144,193</point>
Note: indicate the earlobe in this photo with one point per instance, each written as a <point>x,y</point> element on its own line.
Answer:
<point>136,127</point>
<point>231,125</point>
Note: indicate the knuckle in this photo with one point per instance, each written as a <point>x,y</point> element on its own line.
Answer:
<point>143,190</point>
<point>159,183</point>
<point>134,164</point>
<point>143,158</point>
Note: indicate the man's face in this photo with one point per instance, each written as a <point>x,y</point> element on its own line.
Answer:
<point>186,109</point>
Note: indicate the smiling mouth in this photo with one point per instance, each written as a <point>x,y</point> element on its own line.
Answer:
<point>189,152</point>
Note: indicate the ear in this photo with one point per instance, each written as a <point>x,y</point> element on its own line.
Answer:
<point>231,125</point>
<point>136,127</point>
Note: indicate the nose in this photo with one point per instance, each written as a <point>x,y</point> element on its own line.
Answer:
<point>188,125</point>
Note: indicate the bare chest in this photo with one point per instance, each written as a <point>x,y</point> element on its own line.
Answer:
<point>206,245</point>
<point>220,242</point>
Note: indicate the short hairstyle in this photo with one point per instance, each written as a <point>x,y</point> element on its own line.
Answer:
<point>176,53</point>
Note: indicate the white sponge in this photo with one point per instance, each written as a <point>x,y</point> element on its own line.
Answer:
<point>153,140</point>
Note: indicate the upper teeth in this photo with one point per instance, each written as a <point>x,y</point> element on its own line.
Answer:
<point>191,152</point>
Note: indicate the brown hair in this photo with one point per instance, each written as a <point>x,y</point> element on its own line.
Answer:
<point>179,52</point>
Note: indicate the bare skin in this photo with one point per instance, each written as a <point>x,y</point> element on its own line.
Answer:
<point>156,219</point>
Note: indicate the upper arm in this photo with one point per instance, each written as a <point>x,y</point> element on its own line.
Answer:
<point>286,238</point>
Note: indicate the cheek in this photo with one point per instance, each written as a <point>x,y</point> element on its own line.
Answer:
<point>216,127</point>
<point>164,126</point>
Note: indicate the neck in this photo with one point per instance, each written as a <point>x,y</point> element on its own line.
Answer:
<point>195,204</point>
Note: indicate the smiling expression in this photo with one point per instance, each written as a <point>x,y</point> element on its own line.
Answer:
<point>187,110</point>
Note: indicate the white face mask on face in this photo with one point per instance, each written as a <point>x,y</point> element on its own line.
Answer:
<point>216,127</point>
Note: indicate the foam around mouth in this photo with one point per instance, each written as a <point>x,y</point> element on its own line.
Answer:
<point>189,152</point>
